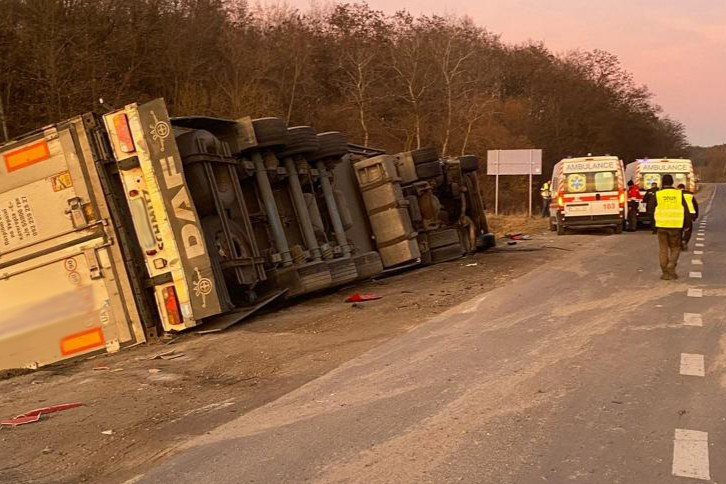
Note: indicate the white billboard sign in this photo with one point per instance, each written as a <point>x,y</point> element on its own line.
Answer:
<point>514,162</point>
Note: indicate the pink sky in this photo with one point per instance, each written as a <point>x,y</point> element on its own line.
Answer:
<point>676,47</point>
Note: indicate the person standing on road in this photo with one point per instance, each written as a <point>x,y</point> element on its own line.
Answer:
<point>670,213</point>
<point>649,199</point>
<point>546,194</point>
<point>633,205</point>
<point>690,218</point>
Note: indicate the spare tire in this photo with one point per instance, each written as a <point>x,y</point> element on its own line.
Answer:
<point>432,169</point>
<point>333,144</point>
<point>300,140</point>
<point>424,155</point>
<point>269,132</point>
<point>468,163</point>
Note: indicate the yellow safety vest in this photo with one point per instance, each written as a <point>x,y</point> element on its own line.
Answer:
<point>669,211</point>
<point>689,202</point>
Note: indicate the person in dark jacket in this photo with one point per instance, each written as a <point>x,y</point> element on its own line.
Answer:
<point>649,199</point>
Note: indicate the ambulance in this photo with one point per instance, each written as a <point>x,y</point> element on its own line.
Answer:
<point>588,192</point>
<point>645,172</point>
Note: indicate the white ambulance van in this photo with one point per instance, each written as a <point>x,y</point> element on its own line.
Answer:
<point>588,192</point>
<point>645,172</point>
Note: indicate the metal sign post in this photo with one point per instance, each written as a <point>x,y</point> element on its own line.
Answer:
<point>530,183</point>
<point>496,188</point>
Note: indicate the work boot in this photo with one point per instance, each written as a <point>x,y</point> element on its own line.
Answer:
<point>665,276</point>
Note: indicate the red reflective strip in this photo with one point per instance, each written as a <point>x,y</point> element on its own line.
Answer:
<point>591,198</point>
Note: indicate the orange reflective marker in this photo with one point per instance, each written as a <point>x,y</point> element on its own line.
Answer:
<point>27,155</point>
<point>85,340</point>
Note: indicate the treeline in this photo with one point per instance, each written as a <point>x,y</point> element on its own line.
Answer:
<point>710,162</point>
<point>391,81</point>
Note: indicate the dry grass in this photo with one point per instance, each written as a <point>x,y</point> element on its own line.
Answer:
<point>516,223</point>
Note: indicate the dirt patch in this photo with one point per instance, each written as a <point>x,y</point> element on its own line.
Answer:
<point>512,224</point>
<point>136,409</point>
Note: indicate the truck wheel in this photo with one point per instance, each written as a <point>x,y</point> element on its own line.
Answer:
<point>333,144</point>
<point>560,229</point>
<point>552,225</point>
<point>270,132</point>
<point>468,163</point>
<point>427,171</point>
<point>424,155</point>
<point>300,140</point>
<point>619,228</point>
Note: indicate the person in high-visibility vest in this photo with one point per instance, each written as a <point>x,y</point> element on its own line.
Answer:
<point>671,211</point>
<point>693,212</point>
<point>546,193</point>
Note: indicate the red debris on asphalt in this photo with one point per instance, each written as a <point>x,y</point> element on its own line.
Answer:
<point>14,422</point>
<point>358,297</point>
<point>34,415</point>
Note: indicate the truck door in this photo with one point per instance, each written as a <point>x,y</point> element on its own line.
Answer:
<point>64,289</point>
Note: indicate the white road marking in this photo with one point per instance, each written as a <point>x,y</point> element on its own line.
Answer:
<point>695,275</point>
<point>692,319</point>
<point>697,262</point>
<point>700,239</point>
<point>692,365</point>
<point>700,245</point>
<point>697,252</point>
<point>690,454</point>
<point>693,292</point>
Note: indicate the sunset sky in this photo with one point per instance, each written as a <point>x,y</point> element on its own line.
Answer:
<point>676,47</point>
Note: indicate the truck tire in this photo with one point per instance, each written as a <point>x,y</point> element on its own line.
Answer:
<point>619,228</point>
<point>468,163</point>
<point>561,230</point>
<point>270,132</point>
<point>424,155</point>
<point>333,144</point>
<point>552,225</point>
<point>299,141</point>
<point>432,169</point>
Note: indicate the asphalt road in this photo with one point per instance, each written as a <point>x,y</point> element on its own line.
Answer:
<point>589,369</point>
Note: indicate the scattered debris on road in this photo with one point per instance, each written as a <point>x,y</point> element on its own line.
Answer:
<point>358,297</point>
<point>34,415</point>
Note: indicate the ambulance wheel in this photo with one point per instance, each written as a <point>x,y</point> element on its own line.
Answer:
<point>619,228</point>
<point>552,225</point>
<point>561,230</point>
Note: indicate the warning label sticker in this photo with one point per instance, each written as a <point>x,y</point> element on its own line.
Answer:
<point>17,222</point>
<point>61,181</point>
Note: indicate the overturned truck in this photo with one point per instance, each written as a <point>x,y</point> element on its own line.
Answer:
<point>117,228</point>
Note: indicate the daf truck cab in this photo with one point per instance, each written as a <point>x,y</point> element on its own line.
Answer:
<point>588,192</point>
<point>645,172</point>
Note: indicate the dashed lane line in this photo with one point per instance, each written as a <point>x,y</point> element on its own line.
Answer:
<point>700,245</point>
<point>693,292</point>
<point>692,319</point>
<point>695,275</point>
<point>697,262</point>
<point>692,365</point>
<point>690,454</point>
<point>697,252</point>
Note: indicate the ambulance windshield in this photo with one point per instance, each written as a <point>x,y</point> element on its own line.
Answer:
<point>600,181</point>
<point>650,178</point>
